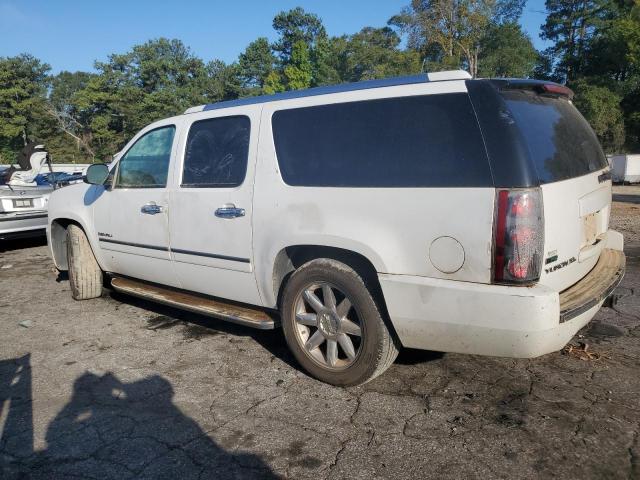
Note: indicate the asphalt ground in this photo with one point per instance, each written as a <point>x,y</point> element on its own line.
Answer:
<point>118,387</point>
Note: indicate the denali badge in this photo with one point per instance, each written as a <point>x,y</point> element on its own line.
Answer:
<point>552,257</point>
<point>560,265</point>
<point>108,235</point>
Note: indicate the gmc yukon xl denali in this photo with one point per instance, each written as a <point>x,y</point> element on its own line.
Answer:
<point>433,211</point>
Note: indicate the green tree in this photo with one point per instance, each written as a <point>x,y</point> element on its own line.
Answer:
<point>325,61</point>
<point>597,44</point>
<point>450,32</point>
<point>107,110</point>
<point>298,26</point>
<point>273,83</point>
<point>298,72</point>
<point>571,26</point>
<point>156,64</point>
<point>255,64</point>
<point>69,138</point>
<point>222,82</point>
<point>508,11</point>
<point>614,51</point>
<point>374,53</point>
<point>631,107</point>
<point>295,26</point>
<point>601,107</point>
<point>157,79</point>
<point>506,51</point>
<point>23,84</point>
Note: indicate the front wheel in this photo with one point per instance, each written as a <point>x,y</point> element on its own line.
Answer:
<point>333,326</point>
<point>85,275</point>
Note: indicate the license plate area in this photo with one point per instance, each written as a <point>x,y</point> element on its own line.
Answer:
<point>591,228</point>
<point>23,203</point>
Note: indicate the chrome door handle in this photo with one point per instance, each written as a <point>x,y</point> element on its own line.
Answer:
<point>151,208</point>
<point>230,211</point>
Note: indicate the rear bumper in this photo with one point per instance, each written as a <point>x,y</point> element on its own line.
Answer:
<point>15,225</point>
<point>450,316</point>
<point>594,288</point>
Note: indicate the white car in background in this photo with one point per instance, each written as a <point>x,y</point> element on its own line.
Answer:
<point>25,189</point>
<point>433,211</point>
<point>23,197</point>
<point>625,168</point>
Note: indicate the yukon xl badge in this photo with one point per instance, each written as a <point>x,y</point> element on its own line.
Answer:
<point>560,265</point>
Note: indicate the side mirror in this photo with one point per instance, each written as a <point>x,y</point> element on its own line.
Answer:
<point>96,174</point>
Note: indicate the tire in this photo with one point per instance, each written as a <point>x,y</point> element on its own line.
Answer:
<point>316,318</point>
<point>85,275</point>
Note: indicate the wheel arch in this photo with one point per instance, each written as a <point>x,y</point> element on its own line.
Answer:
<point>290,258</point>
<point>58,240</point>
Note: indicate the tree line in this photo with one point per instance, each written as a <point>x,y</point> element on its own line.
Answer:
<point>89,116</point>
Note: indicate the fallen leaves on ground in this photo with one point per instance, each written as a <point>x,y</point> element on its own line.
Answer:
<point>582,352</point>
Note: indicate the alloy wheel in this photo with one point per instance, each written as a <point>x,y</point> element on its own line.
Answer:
<point>328,327</point>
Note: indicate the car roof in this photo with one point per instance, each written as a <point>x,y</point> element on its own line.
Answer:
<point>343,87</point>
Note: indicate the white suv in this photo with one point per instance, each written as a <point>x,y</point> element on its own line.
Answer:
<point>433,211</point>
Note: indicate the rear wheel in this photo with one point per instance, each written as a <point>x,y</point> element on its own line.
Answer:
<point>333,326</point>
<point>85,275</point>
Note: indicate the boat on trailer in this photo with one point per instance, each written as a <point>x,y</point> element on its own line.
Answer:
<point>24,193</point>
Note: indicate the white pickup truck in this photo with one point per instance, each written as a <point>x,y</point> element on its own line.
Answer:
<point>431,211</point>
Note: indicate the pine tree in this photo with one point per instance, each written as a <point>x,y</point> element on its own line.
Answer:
<point>298,72</point>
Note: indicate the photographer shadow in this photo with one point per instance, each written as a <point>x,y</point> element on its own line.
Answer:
<point>111,429</point>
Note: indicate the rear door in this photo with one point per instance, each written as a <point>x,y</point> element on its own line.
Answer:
<point>576,187</point>
<point>211,206</point>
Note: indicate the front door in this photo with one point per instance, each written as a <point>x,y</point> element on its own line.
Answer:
<point>211,206</point>
<point>131,217</point>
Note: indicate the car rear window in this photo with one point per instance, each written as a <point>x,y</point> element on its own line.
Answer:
<point>418,141</point>
<point>559,140</point>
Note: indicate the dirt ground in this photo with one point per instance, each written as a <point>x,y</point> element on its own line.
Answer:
<point>121,388</point>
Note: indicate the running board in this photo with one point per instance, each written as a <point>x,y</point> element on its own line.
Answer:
<point>243,315</point>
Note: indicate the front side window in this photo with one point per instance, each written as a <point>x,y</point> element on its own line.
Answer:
<point>146,163</point>
<point>216,153</point>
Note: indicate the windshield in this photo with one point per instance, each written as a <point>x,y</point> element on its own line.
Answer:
<point>560,142</point>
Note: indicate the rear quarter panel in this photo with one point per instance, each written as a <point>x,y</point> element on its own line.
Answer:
<point>392,227</point>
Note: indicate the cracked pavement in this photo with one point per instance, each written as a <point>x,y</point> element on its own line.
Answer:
<point>118,387</point>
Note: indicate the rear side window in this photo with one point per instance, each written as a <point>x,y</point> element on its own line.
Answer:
<point>559,140</point>
<point>420,141</point>
<point>217,152</point>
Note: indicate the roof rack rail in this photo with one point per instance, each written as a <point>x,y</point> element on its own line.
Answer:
<point>343,87</point>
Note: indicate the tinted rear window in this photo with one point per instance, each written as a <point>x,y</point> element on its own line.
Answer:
<point>216,153</point>
<point>420,141</point>
<point>559,140</point>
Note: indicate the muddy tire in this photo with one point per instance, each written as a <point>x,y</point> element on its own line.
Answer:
<point>333,325</point>
<point>85,275</point>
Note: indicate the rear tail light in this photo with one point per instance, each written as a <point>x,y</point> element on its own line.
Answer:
<point>518,237</point>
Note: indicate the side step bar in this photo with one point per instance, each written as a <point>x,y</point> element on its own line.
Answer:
<point>243,315</point>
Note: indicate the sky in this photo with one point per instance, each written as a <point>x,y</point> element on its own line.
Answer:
<point>73,34</point>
